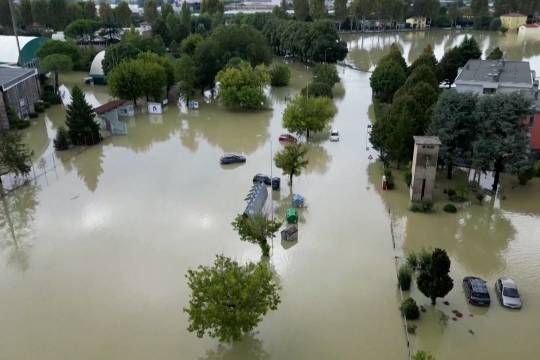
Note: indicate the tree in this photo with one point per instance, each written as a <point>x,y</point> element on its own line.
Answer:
<point>15,157</point>
<point>317,9</point>
<point>395,55</point>
<point>185,16</point>
<point>427,8</point>
<point>422,73</point>
<point>291,160</point>
<point>59,47</point>
<point>502,143</point>
<point>242,41</point>
<point>57,14</point>
<point>207,56</point>
<point>189,44</point>
<point>184,70</point>
<point>61,140</point>
<point>479,7</point>
<point>166,10</point>
<point>243,86</point>
<point>453,122</point>
<point>212,7</point>
<point>341,11</point>
<point>150,11</point>
<point>426,58</point>
<point>74,11</point>
<point>386,79</point>
<point>229,300</point>
<point>457,57</point>
<point>317,88</point>
<point>126,80</point>
<point>117,53</point>
<point>280,75</point>
<point>89,10</point>
<point>301,9</point>
<point>154,79</point>
<point>469,49</point>
<point>454,13</point>
<point>82,29</point>
<point>106,14</point>
<point>25,10</point>
<point>56,63</point>
<point>40,12</point>
<point>495,54</point>
<point>434,281</point>
<point>306,114</point>
<point>422,355</point>
<point>326,73</point>
<point>165,62</point>
<point>82,128</point>
<point>257,230</point>
<point>122,14</point>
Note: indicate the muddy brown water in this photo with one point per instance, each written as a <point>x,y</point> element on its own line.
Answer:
<point>93,255</point>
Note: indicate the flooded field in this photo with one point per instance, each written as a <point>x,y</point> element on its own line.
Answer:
<point>93,254</point>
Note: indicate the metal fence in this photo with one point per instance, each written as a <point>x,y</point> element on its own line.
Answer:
<point>42,169</point>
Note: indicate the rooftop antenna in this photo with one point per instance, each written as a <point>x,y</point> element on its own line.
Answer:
<point>14,25</point>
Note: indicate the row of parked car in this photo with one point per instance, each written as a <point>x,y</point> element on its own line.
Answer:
<point>506,290</point>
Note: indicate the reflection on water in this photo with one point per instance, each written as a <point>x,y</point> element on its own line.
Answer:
<point>365,50</point>
<point>249,348</point>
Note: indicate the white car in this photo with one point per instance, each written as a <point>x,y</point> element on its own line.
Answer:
<point>334,135</point>
<point>508,293</point>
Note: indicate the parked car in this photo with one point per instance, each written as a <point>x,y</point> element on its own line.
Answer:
<point>232,159</point>
<point>508,294</point>
<point>287,138</point>
<point>261,178</point>
<point>334,135</point>
<point>476,291</point>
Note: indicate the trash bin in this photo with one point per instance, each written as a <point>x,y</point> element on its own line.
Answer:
<point>290,233</point>
<point>297,201</point>
<point>292,216</point>
<point>276,183</point>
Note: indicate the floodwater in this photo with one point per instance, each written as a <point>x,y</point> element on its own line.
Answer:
<point>93,254</point>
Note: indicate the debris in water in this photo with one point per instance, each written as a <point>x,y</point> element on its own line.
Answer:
<point>75,197</point>
<point>455,319</point>
<point>446,303</point>
<point>458,314</point>
<point>471,332</point>
<point>471,315</point>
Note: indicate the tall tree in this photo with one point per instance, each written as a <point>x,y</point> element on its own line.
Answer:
<point>40,12</point>
<point>454,13</point>
<point>307,114</point>
<point>165,62</point>
<point>502,142</point>
<point>479,7</point>
<point>426,58</point>
<point>57,14</point>
<point>25,9</point>
<point>166,9</point>
<point>106,14</point>
<point>326,73</point>
<point>341,11</point>
<point>243,86</point>
<point>56,63</point>
<point>434,281</point>
<point>454,123</point>
<point>495,54</point>
<point>291,160</point>
<point>82,128</point>
<point>184,69</point>
<point>257,230</point>
<point>317,9</point>
<point>89,10</point>
<point>301,9</point>
<point>386,79</point>
<point>122,14</point>
<point>150,11</point>
<point>427,8</point>
<point>229,300</point>
<point>82,29</point>
<point>126,80</point>
<point>185,16</point>
<point>212,7</point>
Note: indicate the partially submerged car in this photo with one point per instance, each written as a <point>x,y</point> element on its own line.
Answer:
<point>476,291</point>
<point>232,159</point>
<point>508,294</point>
<point>261,178</point>
<point>287,138</point>
<point>334,135</point>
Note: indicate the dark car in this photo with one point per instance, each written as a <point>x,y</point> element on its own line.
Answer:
<point>476,291</point>
<point>287,138</point>
<point>261,178</point>
<point>232,159</point>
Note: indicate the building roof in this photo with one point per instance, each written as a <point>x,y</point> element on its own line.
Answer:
<point>109,106</point>
<point>427,140</point>
<point>11,76</point>
<point>28,45</point>
<point>495,71</point>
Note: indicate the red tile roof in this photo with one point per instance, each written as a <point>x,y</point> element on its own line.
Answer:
<point>111,105</point>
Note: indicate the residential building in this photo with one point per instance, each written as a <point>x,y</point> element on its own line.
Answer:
<point>484,77</point>
<point>513,21</point>
<point>529,30</point>
<point>19,90</point>
<point>417,22</point>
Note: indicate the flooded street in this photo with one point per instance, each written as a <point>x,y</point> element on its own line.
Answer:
<point>93,254</point>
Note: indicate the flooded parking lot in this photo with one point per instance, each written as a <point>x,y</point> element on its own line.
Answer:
<point>93,254</point>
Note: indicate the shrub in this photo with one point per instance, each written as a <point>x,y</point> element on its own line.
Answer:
<point>424,206</point>
<point>280,75</point>
<point>408,177</point>
<point>61,141</point>
<point>450,192</point>
<point>46,104</point>
<point>15,121</point>
<point>317,88</point>
<point>424,259</point>
<point>422,355</point>
<point>412,260</point>
<point>405,277</point>
<point>450,208</point>
<point>33,115</point>
<point>526,175</point>
<point>39,107</point>
<point>409,309</point>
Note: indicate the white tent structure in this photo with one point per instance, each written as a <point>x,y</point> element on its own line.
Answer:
<point>9,54</point>
<point>96,69</point>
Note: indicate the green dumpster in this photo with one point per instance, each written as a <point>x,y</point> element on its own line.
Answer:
<point>292,216</point>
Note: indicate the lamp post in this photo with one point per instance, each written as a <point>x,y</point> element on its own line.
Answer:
<point>14,24</point>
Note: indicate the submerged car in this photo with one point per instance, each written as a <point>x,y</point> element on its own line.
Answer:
<point>334,135</point>
<point>508,294</point>
<point>287,138</point>
<point>232,159</point>
<point>261,178</point>
<point>476,291</point>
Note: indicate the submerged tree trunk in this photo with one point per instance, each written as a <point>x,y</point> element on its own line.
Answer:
<point>56,82</point>
<point>291,179</point>
<point>496,178</point>
<point>433,300</point>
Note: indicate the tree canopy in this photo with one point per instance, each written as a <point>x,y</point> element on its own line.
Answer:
<point>306,114</point>
<point>243,86</point>
<point>82,128</point>
<point>291,160</point>
<point>257,230</point>
<point>126,80</point>
<point>15,157</point>
<point>433,280</point>
<point>280,75</point>
<point>229,300</point>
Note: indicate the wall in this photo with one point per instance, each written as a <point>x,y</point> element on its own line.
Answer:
<point>535,132</point>
<point>513,22</point>
<point>28,91</point>
<point>4,121</point>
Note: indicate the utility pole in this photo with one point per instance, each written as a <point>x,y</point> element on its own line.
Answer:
<point>14,24</point>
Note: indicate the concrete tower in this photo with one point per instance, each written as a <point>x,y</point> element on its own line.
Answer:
<point>424,167</point>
